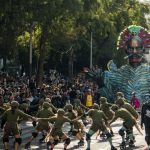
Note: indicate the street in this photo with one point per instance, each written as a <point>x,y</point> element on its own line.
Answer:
<point>96,144</point>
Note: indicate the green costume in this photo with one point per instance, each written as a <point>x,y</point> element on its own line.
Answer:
<point>71,114</point>
<point>127,106</point>
<point>2,121</point>
<point>106,108</point>
<point>58,121</point>
<point>78,107</point>
<point>126,116</point>
<point>42,125</point>
<point>120,95</point>
<point>6,106</point>
<point>12,116</point>
<point>44,113</point>
<point>23,107</point>
<point>2,110</point>
<point>128,123</point>
<point>98,118</point>
<point>56,131</point>
<point>51,108</point>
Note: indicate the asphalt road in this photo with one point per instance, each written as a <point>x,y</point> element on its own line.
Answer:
<point>96,144</point>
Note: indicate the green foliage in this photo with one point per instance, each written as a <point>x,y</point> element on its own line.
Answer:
<point>59,25</point>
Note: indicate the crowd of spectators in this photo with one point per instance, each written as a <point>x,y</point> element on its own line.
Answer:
<point>58,88</point>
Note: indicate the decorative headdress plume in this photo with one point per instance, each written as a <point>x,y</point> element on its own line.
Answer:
<point>131,31</point>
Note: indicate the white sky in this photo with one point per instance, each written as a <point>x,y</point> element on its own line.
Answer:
<point>147,1</point>
<point>148,55</point>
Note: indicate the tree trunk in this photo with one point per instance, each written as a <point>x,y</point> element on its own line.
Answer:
<point>42,50</point>
<point>4,63</point>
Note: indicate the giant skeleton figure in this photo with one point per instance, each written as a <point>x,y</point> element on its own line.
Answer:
<point>135,76</point>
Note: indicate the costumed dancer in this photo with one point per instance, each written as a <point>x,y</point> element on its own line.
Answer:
<point>120,95</point>
<point>23,107</point>
<point>45,112</point>
<point>98,118</point>
<point>122,104</point>
<point>2,110</point>
<point>52,108</point>
<point>56,132</point>
<point>106,108</point>
<point>77,127</point>
<point>79,107</point>
<point>11,126</point>
<point>128,123</point>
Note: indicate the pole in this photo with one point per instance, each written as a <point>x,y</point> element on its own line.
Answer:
<point>71,63</point>
<point>30,43</point>
<point>91,51</point>
<point>30,54</point>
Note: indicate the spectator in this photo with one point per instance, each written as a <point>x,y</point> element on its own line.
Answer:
<point>89,99</point>
<point>72,94</point>
<point>145,120</point>
<point>135,102</point>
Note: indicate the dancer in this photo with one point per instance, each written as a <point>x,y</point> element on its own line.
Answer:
<point>56,134</point>
<point>106,108</point>
<point>42,125</point>
<point>98,118</point>
<point>11,126</point>
<point>80,108</point>
<point>128,123</point>
<point>77,127</point>
<point>122,104</point>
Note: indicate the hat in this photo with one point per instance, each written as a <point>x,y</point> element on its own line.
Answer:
<point>120,94</point>
<point>46,105</point>
<point>60,112</point>
<point>120,102</point>
<point>69,107</point>
<point>103,99</point>
<point>14,104</point>
<point>24,106</point>
<point>114,107</point>
<point>47,99</point>
<point>96,106</point>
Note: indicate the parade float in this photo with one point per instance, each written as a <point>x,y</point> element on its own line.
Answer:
<point>133,76</point>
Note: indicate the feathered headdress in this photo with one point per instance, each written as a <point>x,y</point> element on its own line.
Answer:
<point>131,31</point>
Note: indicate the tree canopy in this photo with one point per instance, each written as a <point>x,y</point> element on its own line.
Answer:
<point>61,31</point>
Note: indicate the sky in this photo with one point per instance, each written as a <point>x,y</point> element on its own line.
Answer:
<point>148,55</point>
<point>147,1</point>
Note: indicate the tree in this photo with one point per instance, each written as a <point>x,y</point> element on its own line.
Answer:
<point>62,24</point>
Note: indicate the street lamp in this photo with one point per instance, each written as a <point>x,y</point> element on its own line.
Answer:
<point>30,52</point>
<point>91,45</point>
<point>91,51</point>
<point>71,61</point>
